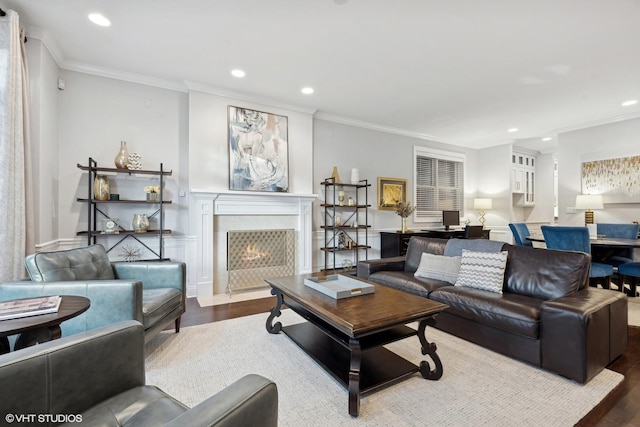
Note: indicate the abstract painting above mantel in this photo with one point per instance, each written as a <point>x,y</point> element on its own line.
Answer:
<point>258,151</point>
<point>618,180</point>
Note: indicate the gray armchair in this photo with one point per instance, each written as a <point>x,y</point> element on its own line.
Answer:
<point>153,293</point>
<point>100,376</point>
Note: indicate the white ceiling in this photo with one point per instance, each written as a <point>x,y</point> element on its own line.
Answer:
<point>457,71</point>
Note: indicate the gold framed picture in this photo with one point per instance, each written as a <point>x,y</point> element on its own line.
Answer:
<point>391,191</point>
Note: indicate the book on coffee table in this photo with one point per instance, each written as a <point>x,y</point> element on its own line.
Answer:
<point>29,307</point>
<point>338,286</point>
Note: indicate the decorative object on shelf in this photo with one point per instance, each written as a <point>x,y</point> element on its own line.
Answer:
<point>589,202</point>
<point>341,198</point>
<point>110,226</point>
<point>350,201</point>
<point>404,210</point>
<point>101,188</point>
<point>114,196</point>
<point>355,176</point>
<point>482,205</point>
<point>130,253</point>
<point>347,264</point>
<point>335,175</point>
<point>391,191</point>
<point>122,158</point>
<point>153,193</point>
<point>258,151</point>
<point>134,162</point>
<point>338,220</point>
<point>140,223</point>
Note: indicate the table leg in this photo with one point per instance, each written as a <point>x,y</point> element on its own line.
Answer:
<point>430,349</point>
<point>354,377</point>
<point>275,312</point>
<point>37,336</point>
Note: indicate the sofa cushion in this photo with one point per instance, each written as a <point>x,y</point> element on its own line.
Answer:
<point>407,282</point>
<point>90,263</point>
<point>418,246</point>
<point>454,247</point>
<point>445,268</point>
<point>510,312</point>
<point>157,303</point>
<point>482,270</point>
<point>545,273</point>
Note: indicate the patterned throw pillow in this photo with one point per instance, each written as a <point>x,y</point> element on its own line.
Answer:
<point>482,270</point>
<point>439,267</point>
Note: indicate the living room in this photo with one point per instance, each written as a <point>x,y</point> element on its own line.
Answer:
<point>83,110</point>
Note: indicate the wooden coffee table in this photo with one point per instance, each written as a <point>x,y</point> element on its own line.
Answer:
<point>43,327</point>
<point>346,336</point>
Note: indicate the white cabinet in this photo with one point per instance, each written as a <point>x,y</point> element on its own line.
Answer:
<point>523,174</point>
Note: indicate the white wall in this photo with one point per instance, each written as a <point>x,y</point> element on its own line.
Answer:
<point>608,141</point>
<point>96,113</point>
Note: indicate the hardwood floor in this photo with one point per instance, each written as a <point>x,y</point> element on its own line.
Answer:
<point>620,408</point>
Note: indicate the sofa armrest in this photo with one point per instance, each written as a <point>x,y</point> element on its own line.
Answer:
<point>73,374</point>
<point>153,275</point>
<point>250,401</point>
<point>111,300</point>
<point>581,333</point>
<point>368,267</point>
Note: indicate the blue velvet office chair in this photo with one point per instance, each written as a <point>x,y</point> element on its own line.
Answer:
<point>520,233</point>
<point>630,271</point>
<point>577,239</point>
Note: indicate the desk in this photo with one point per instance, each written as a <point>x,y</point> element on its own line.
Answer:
<point>43,327</point>
<point>396,243</point>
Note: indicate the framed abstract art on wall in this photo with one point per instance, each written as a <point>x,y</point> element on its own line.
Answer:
<point>391,191</point>
<point>258,150</point>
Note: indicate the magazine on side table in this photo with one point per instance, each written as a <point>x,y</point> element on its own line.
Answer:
<point>29,307</point>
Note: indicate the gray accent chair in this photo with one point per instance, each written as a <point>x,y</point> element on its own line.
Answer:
<point>100,376</point>
<point>153,293</point>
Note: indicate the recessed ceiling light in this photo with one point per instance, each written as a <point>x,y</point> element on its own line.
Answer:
<point>307,90</point>
<point>238,73</point>
<point>99,19</point>
<point>513,130</point>
<point>548,138</point>
<point>629,102</point>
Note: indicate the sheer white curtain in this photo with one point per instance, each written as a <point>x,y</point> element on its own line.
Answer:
<point>16,225</point>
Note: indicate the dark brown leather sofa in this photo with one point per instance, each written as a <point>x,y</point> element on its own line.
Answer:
<point>547,315</point>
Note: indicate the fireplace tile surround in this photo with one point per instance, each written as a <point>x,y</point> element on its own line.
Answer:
<point>214,213</point>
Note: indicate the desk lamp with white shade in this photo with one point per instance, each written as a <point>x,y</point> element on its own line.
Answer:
<point>589,202</point>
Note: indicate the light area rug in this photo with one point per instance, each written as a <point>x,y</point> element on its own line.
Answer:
<point>478,387</point>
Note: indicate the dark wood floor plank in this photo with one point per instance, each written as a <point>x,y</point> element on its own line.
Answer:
<point>620,408</point>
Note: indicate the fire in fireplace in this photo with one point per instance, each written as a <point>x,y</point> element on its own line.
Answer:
<point>253,255</point>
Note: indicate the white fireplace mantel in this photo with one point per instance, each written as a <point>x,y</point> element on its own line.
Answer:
<point>205,205</point>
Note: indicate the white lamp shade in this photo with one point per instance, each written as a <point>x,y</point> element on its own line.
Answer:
<point>482,203</point>
<point>589,201</point>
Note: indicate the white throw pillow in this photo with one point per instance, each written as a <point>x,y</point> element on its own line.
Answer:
<point>439,267</point>
<point>482,270</point>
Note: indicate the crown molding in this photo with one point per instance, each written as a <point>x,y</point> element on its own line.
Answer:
<point>380,128</point>
<point>599,122</point>
<point>219,91</point>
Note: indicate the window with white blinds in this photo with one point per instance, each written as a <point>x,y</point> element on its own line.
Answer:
<point>439,183</point>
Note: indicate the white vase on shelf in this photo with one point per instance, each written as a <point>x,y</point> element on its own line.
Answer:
<point>355,176</point>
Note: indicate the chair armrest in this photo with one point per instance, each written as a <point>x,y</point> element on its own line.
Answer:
<point>368,267</point>
<point>250,401</point>
<point>164,274</point>
<point>73,374</point>
<point>111,300</point>
<point>581,333</point>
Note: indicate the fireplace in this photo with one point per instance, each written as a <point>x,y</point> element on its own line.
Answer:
<point>253,255</point>
<point>216,214</point>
